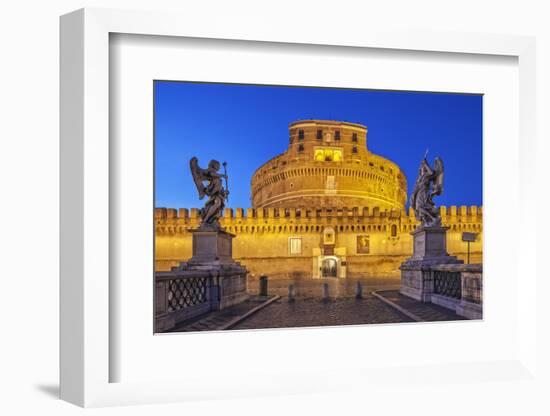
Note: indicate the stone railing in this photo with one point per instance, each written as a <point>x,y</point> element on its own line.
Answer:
<point>458,287</point>
<point>182,297</point>
<point>185,293</point>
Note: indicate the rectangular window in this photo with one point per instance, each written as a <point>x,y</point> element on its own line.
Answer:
<point>295,245</point>
<point>319,134</point>
<point>354,137</point>
<point>337,135</point>
<point>301,148</point>
<point>300,135</point>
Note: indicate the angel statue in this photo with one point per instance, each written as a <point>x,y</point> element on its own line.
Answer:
<point>214,190</point>
<point>428,184</point>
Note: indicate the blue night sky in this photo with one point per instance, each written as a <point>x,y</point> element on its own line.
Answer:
<point>246,125</point>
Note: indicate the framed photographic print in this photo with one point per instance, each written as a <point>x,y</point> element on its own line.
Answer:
<point>238,209</point>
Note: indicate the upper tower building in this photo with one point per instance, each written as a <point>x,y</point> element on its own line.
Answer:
<point>328,165</point>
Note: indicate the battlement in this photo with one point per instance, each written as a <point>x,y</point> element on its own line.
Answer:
<point>466,213</point>
<point>170,221</point>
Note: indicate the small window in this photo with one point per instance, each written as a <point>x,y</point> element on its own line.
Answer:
<point>301,148</point>
<point>337,135</point>
<point>354,150</point>
<point>394,230</point>
<point>300,135</point>
<point>371,164</point>
<point>295,245</point>
<point>319,134</point>
<point>354,137</point>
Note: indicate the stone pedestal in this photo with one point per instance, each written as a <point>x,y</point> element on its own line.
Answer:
<point>213,254</point>
<point>430,249</point>
<point>212,247</point>
<point>211,280</point>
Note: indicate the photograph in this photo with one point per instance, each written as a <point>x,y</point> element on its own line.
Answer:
<point>292,206</point>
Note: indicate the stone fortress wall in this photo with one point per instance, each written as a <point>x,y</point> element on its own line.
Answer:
<point>263,239</point>
<point>300,226</point>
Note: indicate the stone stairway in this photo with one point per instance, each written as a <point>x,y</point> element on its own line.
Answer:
<point>427,312</point>
<point>219,320</point>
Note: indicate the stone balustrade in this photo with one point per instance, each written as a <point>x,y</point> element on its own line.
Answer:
<point>182,296</point>
<point>458,287</point>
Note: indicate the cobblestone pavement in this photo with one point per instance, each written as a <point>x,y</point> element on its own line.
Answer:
<point>315,312</point>
<point>309,311</point>
<point>427,311</point>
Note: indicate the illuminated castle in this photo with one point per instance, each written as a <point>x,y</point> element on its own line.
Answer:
<point>327,207</point>
<point>327,164</point>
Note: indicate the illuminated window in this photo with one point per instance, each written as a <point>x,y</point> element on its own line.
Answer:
<point>319,134</point>
<point>354,137</point>
<point>328,155</point>
<point>295,245</point>
<point>300,135</point>
<point>337,135</point>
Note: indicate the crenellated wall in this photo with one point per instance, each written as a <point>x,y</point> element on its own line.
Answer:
<point>262,238</point>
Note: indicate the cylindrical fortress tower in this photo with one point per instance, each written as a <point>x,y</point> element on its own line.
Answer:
<point>327,164</point>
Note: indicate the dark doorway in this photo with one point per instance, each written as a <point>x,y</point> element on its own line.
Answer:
<point>329,268</point>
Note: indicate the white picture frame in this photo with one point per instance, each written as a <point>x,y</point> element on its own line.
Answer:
<point>86,291</point>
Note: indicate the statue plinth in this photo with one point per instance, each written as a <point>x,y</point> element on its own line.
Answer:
<point>430,245</point>
<point>430,249</point>
<point>211,280</point>
<point>213,254</point>
<point>211,246</point>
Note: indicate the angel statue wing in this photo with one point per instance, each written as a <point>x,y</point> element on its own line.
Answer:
<point>198,176</point>
<point>438,173</point>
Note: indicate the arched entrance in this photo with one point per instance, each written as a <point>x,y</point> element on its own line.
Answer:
<point>329,267</point>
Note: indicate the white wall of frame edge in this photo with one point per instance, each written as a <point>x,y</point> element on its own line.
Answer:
<point>86,354</point>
